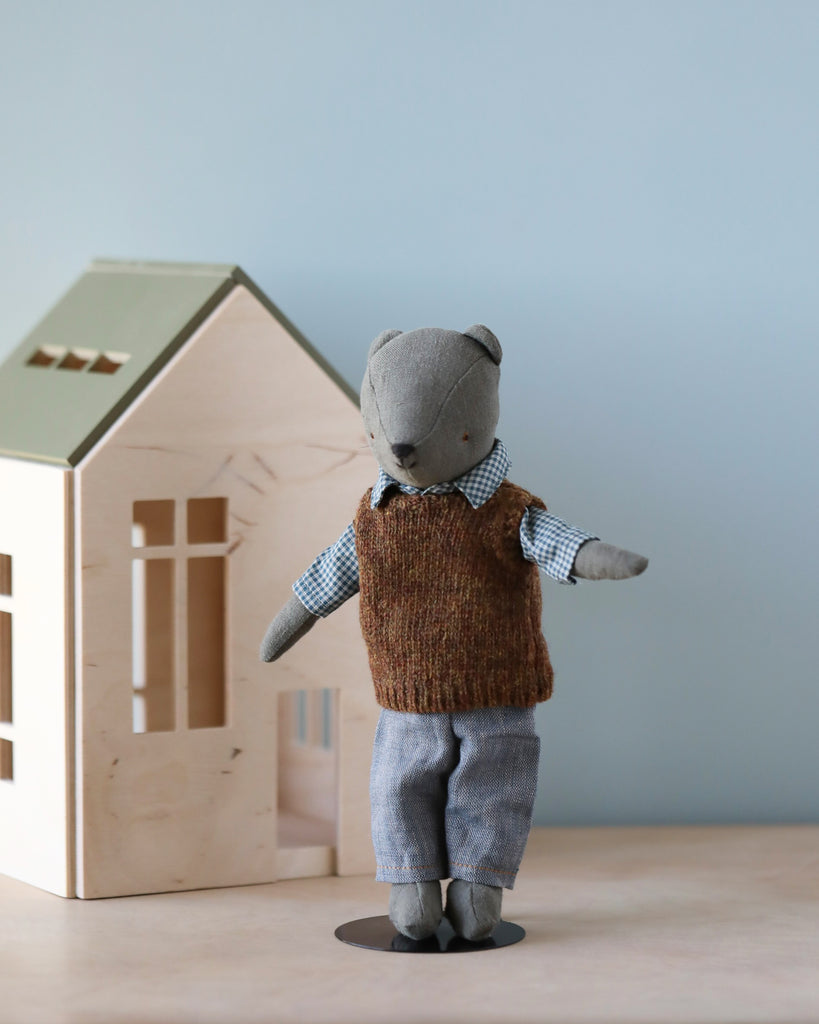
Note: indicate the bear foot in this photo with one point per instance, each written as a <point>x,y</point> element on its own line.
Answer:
<point>416,908</point>
<point>473,909</point>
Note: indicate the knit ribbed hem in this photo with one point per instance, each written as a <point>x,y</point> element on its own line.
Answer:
<point>411,695</point>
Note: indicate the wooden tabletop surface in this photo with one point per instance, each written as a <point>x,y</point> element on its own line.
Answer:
<point>627,925</point>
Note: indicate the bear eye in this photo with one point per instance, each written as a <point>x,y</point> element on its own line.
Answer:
<point>372,436</point>
<point>465,437</point>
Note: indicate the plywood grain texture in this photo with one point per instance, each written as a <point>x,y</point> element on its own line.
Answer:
<point>244,414</point>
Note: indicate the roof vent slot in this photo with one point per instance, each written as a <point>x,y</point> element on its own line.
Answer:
<point>76,359</point>
<point>109,362</point>
<point>46,355</point>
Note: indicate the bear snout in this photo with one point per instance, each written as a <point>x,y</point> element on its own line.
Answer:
<point>402,452</point>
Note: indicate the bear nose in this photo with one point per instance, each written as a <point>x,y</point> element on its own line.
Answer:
<point>402,451</point>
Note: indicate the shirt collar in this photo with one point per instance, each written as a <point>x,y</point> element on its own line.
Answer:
<point>477,485</point>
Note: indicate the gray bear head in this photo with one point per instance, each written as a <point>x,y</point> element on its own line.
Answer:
<point>430,401</point>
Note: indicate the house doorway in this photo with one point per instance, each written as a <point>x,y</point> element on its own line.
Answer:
<point>307,786</point>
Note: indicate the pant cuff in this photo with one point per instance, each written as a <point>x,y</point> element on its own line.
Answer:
<point>411,873</point>
<point>483,875</point>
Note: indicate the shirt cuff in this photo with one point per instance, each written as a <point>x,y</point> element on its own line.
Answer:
<point>551,543</point>
<point>332,579</point>
<point>577,541</point>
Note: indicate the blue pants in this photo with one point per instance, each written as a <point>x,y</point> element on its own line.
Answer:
<point>452,794</point>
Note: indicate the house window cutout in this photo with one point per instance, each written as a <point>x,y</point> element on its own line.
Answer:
<point>76,359</point>
<point>153,524</point>
<point>179,615</point>
<point>108,362</point>
<point>6,761</point>
<point>5,575</point>
<point>5,668</point>
<point>207,520</point>
<point>46,355</point>
<point>307,768</point>
<point>153,645</point>
<point>206,641</point>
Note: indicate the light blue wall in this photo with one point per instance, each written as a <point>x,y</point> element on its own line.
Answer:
<point>625,192</point>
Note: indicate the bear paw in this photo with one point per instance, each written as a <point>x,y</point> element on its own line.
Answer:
<point>416,909</point>
<point>473,909</point>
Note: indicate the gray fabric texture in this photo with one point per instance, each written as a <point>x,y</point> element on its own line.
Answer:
<point>487,339</point>
<point>473,909</point>
<point>416,908</point>
<point>596,560</point>
<point>435,394</point>
<point>451,795</point>
<point>382,340</point>
<point>289,626</point>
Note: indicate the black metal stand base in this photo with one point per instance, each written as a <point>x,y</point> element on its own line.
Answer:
<point>380,933</point>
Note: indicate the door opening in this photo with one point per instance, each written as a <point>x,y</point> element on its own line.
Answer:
<point>307,782</point>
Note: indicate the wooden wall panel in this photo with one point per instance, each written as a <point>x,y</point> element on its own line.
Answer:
<point>242,414</point>
<point>35,718</point>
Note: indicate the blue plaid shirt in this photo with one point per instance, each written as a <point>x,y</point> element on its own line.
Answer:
<point>544,538</point>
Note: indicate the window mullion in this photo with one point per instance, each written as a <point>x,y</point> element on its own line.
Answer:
<point>181,619</point>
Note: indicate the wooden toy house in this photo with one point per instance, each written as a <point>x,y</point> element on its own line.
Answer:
<point>173,453</point>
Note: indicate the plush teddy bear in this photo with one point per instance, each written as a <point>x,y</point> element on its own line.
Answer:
<point>445,551</point>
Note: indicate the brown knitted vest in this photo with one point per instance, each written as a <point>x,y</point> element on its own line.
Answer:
<point>450,608</point>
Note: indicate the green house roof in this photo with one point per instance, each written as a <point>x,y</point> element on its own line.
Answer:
<point>101,345</point>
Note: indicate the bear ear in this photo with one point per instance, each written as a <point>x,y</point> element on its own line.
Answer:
<point>382,340</point>
<point>486,338</point>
